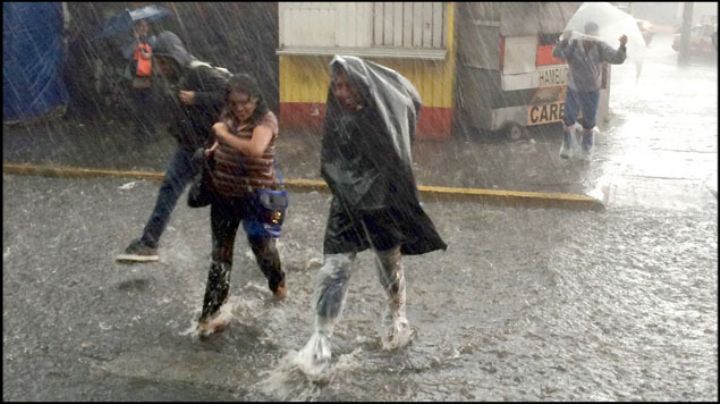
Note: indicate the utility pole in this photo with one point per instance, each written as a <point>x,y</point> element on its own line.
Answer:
<point>684,54</point>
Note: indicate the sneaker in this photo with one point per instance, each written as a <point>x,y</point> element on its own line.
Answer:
<point>138,251</point>
<point>566,148</point>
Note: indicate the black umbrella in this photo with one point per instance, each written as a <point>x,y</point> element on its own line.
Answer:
<point>124,22</point>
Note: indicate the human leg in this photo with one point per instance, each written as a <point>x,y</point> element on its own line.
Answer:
<point>180,171</point>
<point>589,104</point>
<point>224,224</point>
<point>571,111</point>
<point>331,292</point>
<point>179,174</point>
<point>396,330</point>
<point>268,259</point>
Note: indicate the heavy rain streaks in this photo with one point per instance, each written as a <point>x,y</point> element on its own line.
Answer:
<point>536,298</point>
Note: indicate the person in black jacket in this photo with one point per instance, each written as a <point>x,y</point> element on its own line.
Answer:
<point>366,161</point>
<point>197,96</point>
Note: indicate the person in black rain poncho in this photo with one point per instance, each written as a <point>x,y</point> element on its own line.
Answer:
<point>366,161</point>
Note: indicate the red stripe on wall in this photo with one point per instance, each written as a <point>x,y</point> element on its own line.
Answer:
<point>434,123</point>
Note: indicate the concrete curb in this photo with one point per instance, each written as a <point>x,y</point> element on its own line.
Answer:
<point>499,197</point>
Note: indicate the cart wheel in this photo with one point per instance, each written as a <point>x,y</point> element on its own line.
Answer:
<point>514,131</point>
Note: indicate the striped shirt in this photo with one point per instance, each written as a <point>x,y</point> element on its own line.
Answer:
<point>236,174</point>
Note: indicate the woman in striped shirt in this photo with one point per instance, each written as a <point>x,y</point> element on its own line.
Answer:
<point>243,157</point>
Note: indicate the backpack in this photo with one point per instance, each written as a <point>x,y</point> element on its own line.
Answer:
<point>141,67</point>
<point>223,72</point>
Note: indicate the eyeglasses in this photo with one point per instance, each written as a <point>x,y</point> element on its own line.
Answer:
<point>242,101</point>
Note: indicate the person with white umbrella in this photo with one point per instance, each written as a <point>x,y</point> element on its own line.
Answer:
<point>585,57</point>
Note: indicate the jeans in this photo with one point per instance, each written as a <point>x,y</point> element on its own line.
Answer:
<point>180,172</point>
<point>587,102</point>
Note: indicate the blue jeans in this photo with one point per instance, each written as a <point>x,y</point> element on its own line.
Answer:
<point>179,174</point>
<point>587,102</point>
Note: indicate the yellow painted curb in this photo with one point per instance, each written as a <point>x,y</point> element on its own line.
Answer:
<point>503,197</point>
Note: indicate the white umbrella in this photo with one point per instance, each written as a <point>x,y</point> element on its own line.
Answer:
<point>612,23</point>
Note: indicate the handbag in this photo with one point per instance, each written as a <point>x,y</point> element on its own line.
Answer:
<point>271,206</point>
<point>202,190</point>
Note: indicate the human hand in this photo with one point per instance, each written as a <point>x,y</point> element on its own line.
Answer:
<point>211,150</point>
<point>623,40</point>
<point>187,97</point>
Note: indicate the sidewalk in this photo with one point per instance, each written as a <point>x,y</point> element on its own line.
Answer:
<point>481,165</point>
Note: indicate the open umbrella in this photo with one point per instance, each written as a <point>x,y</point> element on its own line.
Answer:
<point>612,23</point>
<point>123,22</point>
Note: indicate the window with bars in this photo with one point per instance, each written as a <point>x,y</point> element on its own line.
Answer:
<point>408,24</point>
<point>391,29</point>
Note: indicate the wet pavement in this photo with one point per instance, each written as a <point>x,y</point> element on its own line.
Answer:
<point>526,304</point>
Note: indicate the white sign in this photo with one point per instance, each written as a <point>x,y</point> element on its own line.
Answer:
<point>553,76</point>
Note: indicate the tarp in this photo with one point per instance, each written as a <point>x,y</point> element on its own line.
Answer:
<point>33,59</point>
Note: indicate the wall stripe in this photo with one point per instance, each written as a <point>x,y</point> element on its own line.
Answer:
<point>434,123</point>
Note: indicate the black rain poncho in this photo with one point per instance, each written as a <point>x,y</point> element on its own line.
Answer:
<point>366,161</point>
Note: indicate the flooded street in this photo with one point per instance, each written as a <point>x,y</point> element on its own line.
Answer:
<point>525,304</point>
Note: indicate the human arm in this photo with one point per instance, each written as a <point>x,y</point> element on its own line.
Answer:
<point>211,92</point>
<point>613,56</point>
<point>211,150</point>
<point>253,147</point>
<point>561,49</point>
<point>145,51</point>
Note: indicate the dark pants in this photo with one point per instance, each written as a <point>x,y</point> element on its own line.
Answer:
<point>577,101</point>
<point>180,172</point>
<point>143,111</point>
<point>225,217</point>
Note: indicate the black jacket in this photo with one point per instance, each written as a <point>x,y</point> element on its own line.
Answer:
<point>367,164</point>
<point>191,124</point>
